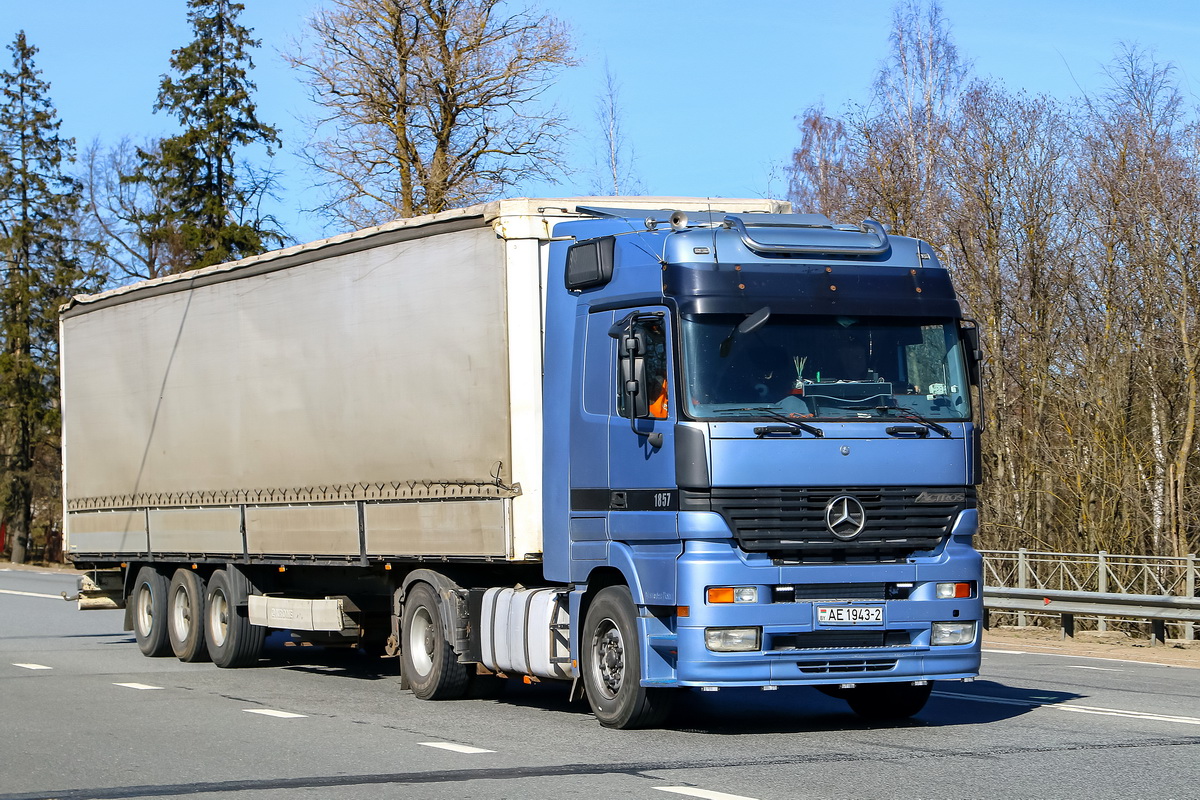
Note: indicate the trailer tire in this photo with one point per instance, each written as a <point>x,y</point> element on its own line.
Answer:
<point>887,701</point>
<point>185,616</point>
<point>232,640</point>
<point>429,662</point>
<point>149,602</point>
<point>611,665</point>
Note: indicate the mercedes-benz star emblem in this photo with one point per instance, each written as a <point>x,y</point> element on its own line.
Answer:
<point>845,517</point>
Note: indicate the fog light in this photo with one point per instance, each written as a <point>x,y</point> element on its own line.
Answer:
<point>946,633</point>
<point>949,591</point>
<point>733,594</point>
<point>732,640</point>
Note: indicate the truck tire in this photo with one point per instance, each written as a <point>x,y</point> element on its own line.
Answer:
<point>185,616</point>
<point>887,701</point>
<point>232,640</point>
<point>149,602</point>
<point>611,665</point>
<point>429,662</point>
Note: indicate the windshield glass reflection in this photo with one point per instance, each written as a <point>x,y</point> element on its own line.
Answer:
<point>823,367</point>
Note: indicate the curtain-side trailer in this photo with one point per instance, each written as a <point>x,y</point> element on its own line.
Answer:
<point>635,444</point>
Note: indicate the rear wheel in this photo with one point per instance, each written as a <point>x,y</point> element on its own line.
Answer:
<point>149,603</point>
<point>612,665</point>
<point>232,640</point>
<point>430,664</point>
<point>185,616</point>
<point>887,701</point>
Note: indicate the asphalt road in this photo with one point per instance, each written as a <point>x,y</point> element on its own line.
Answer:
<point>84,715</point>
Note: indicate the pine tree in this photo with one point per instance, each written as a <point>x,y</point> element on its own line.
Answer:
<point>39,270</point>
<point>196,171</point>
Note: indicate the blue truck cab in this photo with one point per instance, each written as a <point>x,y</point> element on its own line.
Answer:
<point>760,459</point>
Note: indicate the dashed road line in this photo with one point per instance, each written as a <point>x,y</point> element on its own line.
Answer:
<point>1097,669</point>
<point>32,594</point>
<point>1006,652</point>
<point>1077,709</point>
<point>270,712</point>
<point>705,794</point>
<point>457,748</point>
<point>32,666</point>
<point>139,686</point>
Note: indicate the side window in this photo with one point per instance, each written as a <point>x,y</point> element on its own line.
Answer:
<point>652,339</point>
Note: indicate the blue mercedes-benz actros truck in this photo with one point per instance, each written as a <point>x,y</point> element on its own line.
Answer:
<point>640,445</point>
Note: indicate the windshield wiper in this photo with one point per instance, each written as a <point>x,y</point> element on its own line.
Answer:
<point>908,413</point>
<point>796,424</point>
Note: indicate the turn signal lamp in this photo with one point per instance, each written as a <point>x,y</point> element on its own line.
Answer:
<point>733,594</point>
<point>951,591</point>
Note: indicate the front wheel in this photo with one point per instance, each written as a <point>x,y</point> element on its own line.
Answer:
<point>429,662</point>
<point>611,665</point>
<point>887,701</point>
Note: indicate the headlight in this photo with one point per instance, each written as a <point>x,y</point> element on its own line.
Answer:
<point>732,640</point>
<point>732,594</point>
<point>946,633</point>
<point>949,591</point>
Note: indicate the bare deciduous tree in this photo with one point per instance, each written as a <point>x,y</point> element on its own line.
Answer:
<point>429,104</point>
<point>1074,238</point>
<point>615,174</point>
<point>116,212</point>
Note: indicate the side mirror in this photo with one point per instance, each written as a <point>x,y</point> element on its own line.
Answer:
<point>590,263</point>
<point>632,350</point>
<point>970,336</point>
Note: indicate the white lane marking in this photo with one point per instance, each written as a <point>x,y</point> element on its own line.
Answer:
<point>1009,652</point>
<point>270,712</point>
<point>139,686</point>
<point>32,666</point>
<point>1116,712</point>
<point>457,748</point>
<point>1092,658</point>
<point>1108,712</point>
<point>706,794</point>
<point>32,594</point>
<point>1098,669</point>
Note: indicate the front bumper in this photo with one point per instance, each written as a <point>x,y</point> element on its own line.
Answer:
<point>797,649</point>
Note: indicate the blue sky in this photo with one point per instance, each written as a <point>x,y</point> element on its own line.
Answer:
<point>710,90</point>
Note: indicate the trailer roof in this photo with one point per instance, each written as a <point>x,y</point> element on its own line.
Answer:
<point>511,218</point>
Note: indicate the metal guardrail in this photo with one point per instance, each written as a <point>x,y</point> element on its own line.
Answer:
<point>1068,604</point>
<point>1092,572</point>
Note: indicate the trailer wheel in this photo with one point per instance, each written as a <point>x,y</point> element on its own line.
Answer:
<point>887,701</point>
<point>430,665</point>
<point>149,601</point>
<point>611,665</point>
<point>185,616</point>
<point>232,640</point>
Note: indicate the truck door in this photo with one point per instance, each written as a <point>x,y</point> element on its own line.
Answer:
<point>641,428</point>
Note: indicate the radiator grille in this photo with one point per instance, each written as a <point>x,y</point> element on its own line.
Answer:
<point>790,522</point>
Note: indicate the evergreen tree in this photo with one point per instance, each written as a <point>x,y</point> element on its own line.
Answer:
<point>39,270</point>
<point>195,172</point>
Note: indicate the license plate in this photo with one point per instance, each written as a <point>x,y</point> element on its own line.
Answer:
<point>850,615</point>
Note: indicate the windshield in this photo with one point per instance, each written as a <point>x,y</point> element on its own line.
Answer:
<point>823,367</point>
